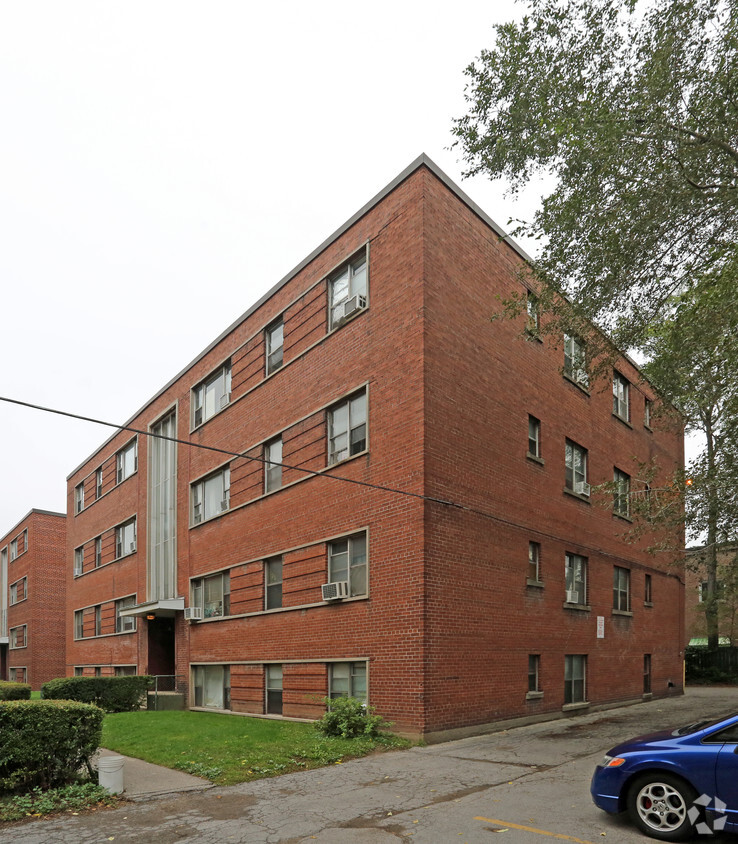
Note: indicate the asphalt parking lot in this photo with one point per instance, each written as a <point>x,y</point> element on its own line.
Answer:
<point>527,785</point>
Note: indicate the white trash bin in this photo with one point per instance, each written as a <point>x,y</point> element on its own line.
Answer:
<point>110,773</point>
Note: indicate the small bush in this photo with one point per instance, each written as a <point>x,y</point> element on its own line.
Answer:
<point>66,799</point>
<point>349,717</point>
<point>113,694</point>
<point>14,691</point>
<point>46,742</point>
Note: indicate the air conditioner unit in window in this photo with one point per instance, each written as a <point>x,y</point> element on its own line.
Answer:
<point>335,591</point>
<point>193,613</point>
<point>582,488</point>
<point>224,504</point>
<point>355,303</point>
<point>572,596</point>
<point>132,546</point>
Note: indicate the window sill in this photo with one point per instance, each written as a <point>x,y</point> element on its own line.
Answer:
<point>623,420</point>
<point>535,459</point>
<point>572,707</point>
<point>538,584</point>
<point>534,696</point>
<point>648,428</point>
<point>16,603</point>
<point>217,413</point>
<point>533,334</point>
<point>578,496</point>
<point>625,613</point>
<point>277,610</point>
<point>579,607</point>
<point>101,566</point>
<point>648,604</point>
<point>577,384</point>
<point>622,517</point>
<point>350,318</point>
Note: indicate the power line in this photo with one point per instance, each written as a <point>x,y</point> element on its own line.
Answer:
<point>315,473</point>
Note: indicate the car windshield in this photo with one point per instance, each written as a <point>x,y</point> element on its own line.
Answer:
<point>696,726</point>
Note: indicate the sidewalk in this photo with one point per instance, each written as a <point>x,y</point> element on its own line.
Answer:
<point>142,779</point>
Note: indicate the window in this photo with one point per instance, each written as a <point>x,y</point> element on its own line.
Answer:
<point>347,290</point>
<point>534,561</point>
<point>212,686</point>
<point>534,437</point>
<point>274,347</point>
<point>273,586</point>
<point>575,674</point>
<point>18,591</point>
<point>125,539</point>
<point>347,428</point>
<point>347,679</point>
<point>213,595</point>
<point>273,465</point>
<point>18,637</point>
<point>211,395</point>
<point>575,360</point>
<point>161,561</point>
<point>79,498</point>
<point>79,561</point>
<point>620,396</point>
<point>646,674</point>
<point>98,551</point>
<point>211,496</point>
<point>274,689</point>
<point>702,590</point>
<point>534,665</point>
<point>17,675</point>
<point>576,468</point>
<point>78,671</point>
<point>648,590</point>
<point>126,462</point>
<point>79,624</point>
<point>98,671</point>
<point>647,411</point>
<point>124,671</point>
<point>621,494</point>
<point>124,624</point>
<point>13,550</point>
<point>347,561</point>
<point>3,560</point>
<point>533,313</point>
<point>24,536</point>
<point>621,589</point>
<point>98,620</point>
<point>98,483</point>
<point>576,579</point>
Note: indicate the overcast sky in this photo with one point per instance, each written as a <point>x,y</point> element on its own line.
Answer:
<point>163,164</point>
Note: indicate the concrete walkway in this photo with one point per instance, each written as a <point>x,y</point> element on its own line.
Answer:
<point>142,780</point>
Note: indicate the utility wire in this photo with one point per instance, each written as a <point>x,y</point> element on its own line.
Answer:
<point>315,473</point>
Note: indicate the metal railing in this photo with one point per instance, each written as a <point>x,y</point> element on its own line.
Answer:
<point>168,683</point>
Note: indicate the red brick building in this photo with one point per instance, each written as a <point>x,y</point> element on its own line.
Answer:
<point>409,517</point>
<point>32,600</point>
<point>696,590</point>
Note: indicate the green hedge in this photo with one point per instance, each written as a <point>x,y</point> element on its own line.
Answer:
<point>14,691</point>
<point>113,694</point>
<point>46,742</point>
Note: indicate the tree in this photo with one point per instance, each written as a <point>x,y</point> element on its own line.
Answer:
<point>634,110</point>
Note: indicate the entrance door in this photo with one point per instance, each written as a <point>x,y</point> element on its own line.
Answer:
<point>161,646</point>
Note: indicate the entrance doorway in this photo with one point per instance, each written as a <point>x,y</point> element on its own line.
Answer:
<point>161,646</point>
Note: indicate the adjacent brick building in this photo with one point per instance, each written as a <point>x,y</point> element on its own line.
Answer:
<point>410,517</point>
<point>696,590</point>
<point>33,577</point>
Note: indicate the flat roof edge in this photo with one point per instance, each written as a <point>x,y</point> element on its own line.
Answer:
<point>31,512</point>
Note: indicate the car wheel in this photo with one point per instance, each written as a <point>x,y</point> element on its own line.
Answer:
<point>659,804</point>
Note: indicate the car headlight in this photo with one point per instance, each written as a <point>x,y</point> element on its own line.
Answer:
<point>612,761</point>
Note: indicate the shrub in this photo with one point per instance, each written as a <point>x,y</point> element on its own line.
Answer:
<point>113,694</point>
<point>349,717</point>
<point>14,691</point>
<point>46,742</point>
<point>77,796</point>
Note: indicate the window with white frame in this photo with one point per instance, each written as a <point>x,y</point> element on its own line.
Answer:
<point>575,678</point>
<point>273,689</point>
<point>18,637</point>
<point>79,560</point>
<point>211,496</point>
<point>273,465</point>
<point>125,538</point>
<point>534,561</point>
<point>98,482</point>
<point>124,671</point>
<point>18,591</point>
<point>575,458</point>
<point>274,337</point>
<point>79,624</point>
<point>13,550</point>
<point>79,498</point>
<point>575,360</point>
<point>212,685</point>
<point>273,583</point>
<point>620,396</point>
<point>621,493</point>
<point>211,395</point>
<point>98,551</point>
<point>576,579</point>
<point>18,675</point>
<point>347,428</point>
<point>125,623</point>
<point>126,461</point>
<point>534,436</point>
<point>347,290</point>
<point>534,670</point>
<point>347,562</point>
<point>647,412</point>
<point>347,679</point>
<point>533,323</point>
<point>98,620</point>
<point>621,589</point>
<point>212,594</point>
<point>648,589</point>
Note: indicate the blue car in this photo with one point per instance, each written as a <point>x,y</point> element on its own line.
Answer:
<point>676,782</point>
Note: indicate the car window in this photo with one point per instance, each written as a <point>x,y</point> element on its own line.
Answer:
<point>727,736</point>
<point>696,726</point>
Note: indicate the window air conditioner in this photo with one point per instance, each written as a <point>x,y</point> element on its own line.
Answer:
<point>224,504</point>
<point>132,546</point>
<point>572,596</point>
<point>193,613</point>
<point>582,488</point>
<point>335,591</point>
<point>355,303</point>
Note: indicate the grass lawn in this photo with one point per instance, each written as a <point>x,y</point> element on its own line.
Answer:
<point>229,749</point>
